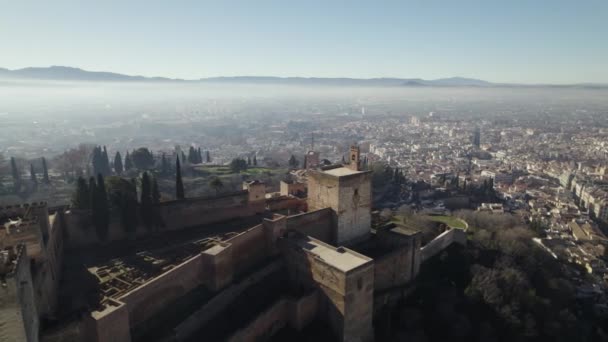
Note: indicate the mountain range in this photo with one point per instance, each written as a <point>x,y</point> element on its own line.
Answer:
<point>63,73</point>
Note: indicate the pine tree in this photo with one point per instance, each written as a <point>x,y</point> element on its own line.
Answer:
<point>199,156</point>
<point>33,175</point>
<point>118,163</point>
<point>45,172</point>
<point>81,198</point>
<point>208,157</point>
<point>128,162</point>
<point>255,161</point>
<point>16,174</point>
<point>248,161</point>
<point>179,185</point>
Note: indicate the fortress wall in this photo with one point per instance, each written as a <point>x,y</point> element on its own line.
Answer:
<point>18,315</point>
<point>47,280</point>
<point>109,325</point>
<point>175,215</point>
<point>228,295</point>
<point>286,202</point>
<point>146,300</point>
<point>359,304</point>
<point>295,312</point>
<point>248,248</point>
<point>317,224</point>
<point>265,324</point>
<point>441,242</point>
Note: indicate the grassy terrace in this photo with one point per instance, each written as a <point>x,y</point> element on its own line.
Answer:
<point>451,221</point>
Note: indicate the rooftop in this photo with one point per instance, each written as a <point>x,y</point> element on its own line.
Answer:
<point>341,171</point>
<point>342,258</point>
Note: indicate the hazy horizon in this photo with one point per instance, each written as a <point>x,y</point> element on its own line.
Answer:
<point>543,42</point>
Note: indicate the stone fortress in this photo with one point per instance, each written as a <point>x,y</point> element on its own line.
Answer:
<point>237,267</point>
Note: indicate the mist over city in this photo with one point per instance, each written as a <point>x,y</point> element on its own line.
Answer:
<point>268,171</point>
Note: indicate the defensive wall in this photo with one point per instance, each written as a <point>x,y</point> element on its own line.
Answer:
<point>441,242</point>
<point>18,315</point>
<point>175,215</point>
<point>295,312</point>
<point>344,278</point>
<point>318,224</point>
<point>215,268</point>
<point>42,234</point>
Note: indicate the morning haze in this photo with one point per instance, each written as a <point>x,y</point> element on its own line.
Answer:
<point>393,171</point>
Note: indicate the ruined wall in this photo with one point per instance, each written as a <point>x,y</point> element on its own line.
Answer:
<point>294,312</point>
<point>18,315</point>
<point>175,215</point>
<point>317,224</point>
<point>441,242</point>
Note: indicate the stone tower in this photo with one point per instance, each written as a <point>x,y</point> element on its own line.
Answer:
<point>347,191</point>
<point>354,162</point>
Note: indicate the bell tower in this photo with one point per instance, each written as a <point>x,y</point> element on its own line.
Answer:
<point>354,158</point>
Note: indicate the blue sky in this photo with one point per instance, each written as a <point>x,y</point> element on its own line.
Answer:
<point>533,41</point>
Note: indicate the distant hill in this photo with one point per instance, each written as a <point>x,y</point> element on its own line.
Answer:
<point>63,73</point>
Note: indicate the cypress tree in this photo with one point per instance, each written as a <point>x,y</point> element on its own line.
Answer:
<point>101,209</point>
<point>255,161</point>
<point>105,162</point>
<point>191,156</point>
<point>293,162</point>
<point>97,160</point>
<point>118,163</point>
<point>81,198</point>
<point>155,202</point>
<point>33,175</point>
<point>248,161</point>
<point>208,157</point>
<point>146,201</point>
<point>164,165</point>
<point>179,185</point>
<point>45,172</point>
<point>94,204</point>
<point>128,162</point>
<point>199,156</point>
<point>184,157</point>
<point>16,174</point>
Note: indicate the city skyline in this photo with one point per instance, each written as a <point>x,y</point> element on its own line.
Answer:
<point>519,42</point>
